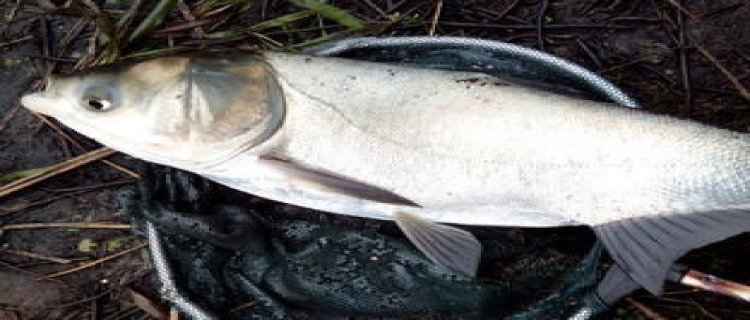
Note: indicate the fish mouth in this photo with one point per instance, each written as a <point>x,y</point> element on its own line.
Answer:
<point>35,102</point>
<point>40,101</point>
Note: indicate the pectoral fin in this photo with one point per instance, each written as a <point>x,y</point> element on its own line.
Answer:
<point>451,247</point>
<point>330,182</point>
<point>645,248</point>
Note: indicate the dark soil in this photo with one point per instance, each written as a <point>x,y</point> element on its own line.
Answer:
<point>654,50</point>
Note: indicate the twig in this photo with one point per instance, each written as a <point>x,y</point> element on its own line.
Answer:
<point>515,19</point>
<point>684,67</point>
<point>700,280</point>
<point>16,207</point>
<point>70,192</point>
<point>47,40</point>
<point>687,12</point>
<point>394,7</point>
<point>216,11</point>
<point>95,262</point>
<point>243,306</point>
<point>148,305</point>
<point>636,19</point>
<point>69,36</point>
<point>190,18</point>
<point>715,90</point>
<point>704,311</point>
<point>27,272</point>
<point>55,59</point>
<point>5,24</point>
<point>507,9</point>
<point>91,298</point>
<point>66,225</point>
<point>194,24</point>
<point>376,9</point>
<point>127,313</point>
<point>11,14</point>
<point>724,10</point>
<point>84,300</point>
<point>589,52</point>
<point>12,42</point>
<point>627,63</point>
<point>651,313</point>
<point>733,79</point>
<point>263,9</point>
<point>36,256</point>
<point>540,24</point>
<point>93,187</point>
<point>735,82</point>
<point>95,309</point>
<point>436,17</point>
<point>81,148</point>
<point>59,168</point>
<point>8,115</point>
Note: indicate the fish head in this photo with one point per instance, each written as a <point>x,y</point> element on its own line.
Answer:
<point>178,111</point>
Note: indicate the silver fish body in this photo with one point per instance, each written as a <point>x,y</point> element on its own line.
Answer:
<point>471,149</point>
<point>423,147</point>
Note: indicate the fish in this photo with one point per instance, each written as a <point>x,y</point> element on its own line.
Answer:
<point>432,150</point>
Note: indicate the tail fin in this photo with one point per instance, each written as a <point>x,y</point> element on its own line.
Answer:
<point>645,248</point>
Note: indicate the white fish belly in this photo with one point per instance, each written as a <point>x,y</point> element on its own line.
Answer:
<point>246,174</point>
<point>470,149</point>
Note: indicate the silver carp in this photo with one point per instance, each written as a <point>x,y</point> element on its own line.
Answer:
<point>423,147</point>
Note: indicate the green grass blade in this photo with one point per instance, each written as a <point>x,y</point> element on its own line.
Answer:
<point>154,53</point>
<point>282,20</point>
<point>267,40</point>
<point>153,20</point>
<point>129,14</point>
<point>339,16</point>
<point>209,5</point>
<point>253,30</point>
<point>24,173</point>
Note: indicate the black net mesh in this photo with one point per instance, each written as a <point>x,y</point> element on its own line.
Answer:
<point>243,257</point>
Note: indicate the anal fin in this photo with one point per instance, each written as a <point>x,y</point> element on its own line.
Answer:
<point>645,248</point>
<point>456,249</point>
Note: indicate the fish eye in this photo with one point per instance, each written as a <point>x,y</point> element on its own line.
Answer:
<point>98,104</point>
<point>97,99</point>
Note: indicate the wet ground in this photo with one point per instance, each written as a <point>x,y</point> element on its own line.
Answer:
<point>690,60</point>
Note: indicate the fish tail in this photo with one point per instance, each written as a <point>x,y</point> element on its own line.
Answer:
<point>645,248</point>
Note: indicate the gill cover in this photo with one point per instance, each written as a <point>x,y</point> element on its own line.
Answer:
<point>228,104</point>
<point>195,110</point>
